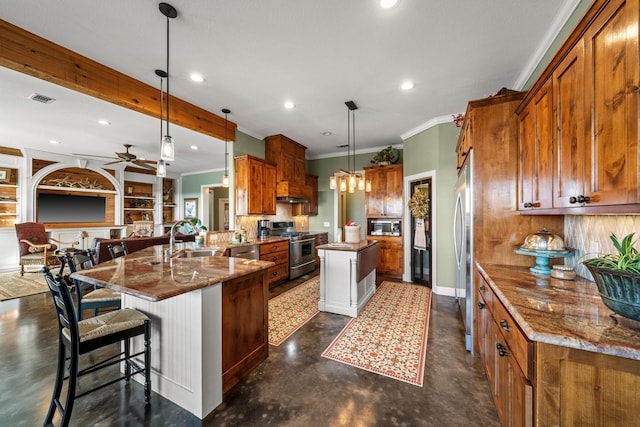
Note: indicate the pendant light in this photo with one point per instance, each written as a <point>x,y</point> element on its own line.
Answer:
<point>167,150</point>
<point>161,166</point>
<point>349,179</point>
<point>225,178</point>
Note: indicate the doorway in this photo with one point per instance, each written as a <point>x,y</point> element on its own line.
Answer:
<point>419,231</point>
<point>215,207</point>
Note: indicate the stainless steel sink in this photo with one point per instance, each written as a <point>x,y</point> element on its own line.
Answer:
<point>193,253</point>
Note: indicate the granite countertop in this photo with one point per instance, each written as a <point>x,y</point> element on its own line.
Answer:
<point>350,247</point>
<point>568,313</point>
<point>147,274</point>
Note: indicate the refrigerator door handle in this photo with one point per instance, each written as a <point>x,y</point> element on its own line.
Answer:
<point>458,241</point>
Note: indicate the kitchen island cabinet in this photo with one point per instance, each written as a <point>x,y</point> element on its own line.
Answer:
<point>347,276</point>
<point>209,319</point>
<point>553,353</point>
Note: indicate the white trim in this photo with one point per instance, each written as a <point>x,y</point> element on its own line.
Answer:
<point>427,125</point>
<point>250,133</point>
<point>201,172</point>
<point>556,26</point>
<point>361,151</point>
<point>406,277</point>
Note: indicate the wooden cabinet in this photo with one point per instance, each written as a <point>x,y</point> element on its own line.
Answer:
<point>463,148</point>
<point>168,201</point>
<point>319,239</point>
<point>536,151</point>
<point>385,197</point>
<point>311,207</point>
<point>391,255</point>
<point>507,357</point>
<point>277,252</point>
<point>595,80</point>
<point>245,326</point>
<point>139,201</point>
<point>9,213</point>
<point>255,186</point>
<point>288,155</point>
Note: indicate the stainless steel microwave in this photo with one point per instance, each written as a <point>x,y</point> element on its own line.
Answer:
<point>384,227</point>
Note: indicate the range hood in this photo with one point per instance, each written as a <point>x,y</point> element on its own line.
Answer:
<point>292,192</point>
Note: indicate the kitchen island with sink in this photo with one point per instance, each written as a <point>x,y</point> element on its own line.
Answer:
<point>209,318</point>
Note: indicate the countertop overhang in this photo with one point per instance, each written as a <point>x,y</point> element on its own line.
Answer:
<point>150,275</point>
<point>567,313</point>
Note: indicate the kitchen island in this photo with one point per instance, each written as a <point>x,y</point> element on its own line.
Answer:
<point>209,319</point>
<point>347,276</point>
<point>553,352</point>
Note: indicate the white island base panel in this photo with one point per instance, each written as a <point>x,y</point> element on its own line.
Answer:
<point>340,291</point>
<point>186,347</point>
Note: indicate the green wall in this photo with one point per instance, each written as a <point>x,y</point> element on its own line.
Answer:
<point>434,150</point>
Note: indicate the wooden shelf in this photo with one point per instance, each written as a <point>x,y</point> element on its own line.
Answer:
<point>139,209</point>
<point>140,197</point>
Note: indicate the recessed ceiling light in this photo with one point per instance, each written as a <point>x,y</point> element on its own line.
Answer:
<point>388,4</point>
<point>197,77</point>
<point>104,122</point>
<point>54,142</point>
<point>194,147</point>
<point>289,105</point>
<point>407,85</point>
<point>327,133</point>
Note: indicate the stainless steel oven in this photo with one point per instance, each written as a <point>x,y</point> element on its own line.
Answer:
<point>301,255</point>
<point>301,248</point>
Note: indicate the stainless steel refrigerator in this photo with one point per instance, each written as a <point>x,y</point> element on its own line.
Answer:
<point>463,245</point>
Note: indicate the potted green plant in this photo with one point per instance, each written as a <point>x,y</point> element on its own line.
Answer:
<point>618,277</point>
<point>386,156</point>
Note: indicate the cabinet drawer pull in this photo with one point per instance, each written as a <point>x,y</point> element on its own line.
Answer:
<point>573,200</point>
<point>502,351</point>
<point>480,306</point>
<point>528,205</point>
<point>504,325</point>
<point>482,288</point>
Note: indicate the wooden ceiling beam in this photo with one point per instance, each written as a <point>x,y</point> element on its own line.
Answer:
<point>30,54</point>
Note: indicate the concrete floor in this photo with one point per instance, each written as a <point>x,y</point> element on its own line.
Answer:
<point>295,386</point>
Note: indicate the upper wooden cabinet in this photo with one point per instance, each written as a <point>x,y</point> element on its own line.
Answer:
<point>288,155</point>
<point>255,186</point>
<point>595,114</point>
<point>464,141</point>
<point>536,151</point>
<point>311,207</point>
<point>385,197</point>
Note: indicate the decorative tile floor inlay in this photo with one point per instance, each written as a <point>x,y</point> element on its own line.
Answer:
<point>389,336</point>
<point>292,309</point>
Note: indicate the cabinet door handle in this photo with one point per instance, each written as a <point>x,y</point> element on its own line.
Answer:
<point>502,351</point>
<point>481,306</point>
<point>504,325</point>
<point>482,288</point>
<point>573,200</point>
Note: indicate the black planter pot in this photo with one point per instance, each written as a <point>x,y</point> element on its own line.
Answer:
<point>620,291</point>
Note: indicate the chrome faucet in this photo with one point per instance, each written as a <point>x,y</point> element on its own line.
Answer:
<point>172,233</point>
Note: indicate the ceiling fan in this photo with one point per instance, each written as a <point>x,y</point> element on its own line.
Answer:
<point>125,157</point>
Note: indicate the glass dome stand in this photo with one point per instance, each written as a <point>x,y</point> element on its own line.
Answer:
<point>542,259</point>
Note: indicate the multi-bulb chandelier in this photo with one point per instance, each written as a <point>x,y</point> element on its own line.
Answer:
<point>349,178</point>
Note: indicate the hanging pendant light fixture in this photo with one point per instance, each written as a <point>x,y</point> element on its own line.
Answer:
<point>225,178</point>
<point>349,179</point>
<point>167,150</point>
<point>161,166</point>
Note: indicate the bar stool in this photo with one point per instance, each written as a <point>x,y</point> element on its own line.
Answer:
<point>76,338</point>
<point>117,250</point>
<point>95,299</point>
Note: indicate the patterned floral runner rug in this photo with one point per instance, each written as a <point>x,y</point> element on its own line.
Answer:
<point>389,336</point>
<point>14,286</point>
<point>292,309</point>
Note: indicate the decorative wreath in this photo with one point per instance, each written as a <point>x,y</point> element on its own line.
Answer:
<point>419,204</point>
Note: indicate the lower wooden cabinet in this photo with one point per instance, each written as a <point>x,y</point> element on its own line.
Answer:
<point>277,252</point>
<point>319,239</point>
<point>506,353</point>
<point>391,258</point>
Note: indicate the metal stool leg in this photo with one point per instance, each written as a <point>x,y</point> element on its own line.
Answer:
<point>147,362</point>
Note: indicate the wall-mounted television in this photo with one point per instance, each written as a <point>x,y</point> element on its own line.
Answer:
<point>66,208</point>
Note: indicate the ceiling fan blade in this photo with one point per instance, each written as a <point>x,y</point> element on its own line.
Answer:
<point>92,156</point>
<point>113,163</point>
<point>142,165</point>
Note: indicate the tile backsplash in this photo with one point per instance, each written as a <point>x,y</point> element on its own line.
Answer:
<point>589,234</point>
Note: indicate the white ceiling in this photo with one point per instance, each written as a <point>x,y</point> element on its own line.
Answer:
<point>254,55</point>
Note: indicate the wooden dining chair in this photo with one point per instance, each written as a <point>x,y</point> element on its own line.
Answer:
<point>89,296</point>
<point>79,337</point>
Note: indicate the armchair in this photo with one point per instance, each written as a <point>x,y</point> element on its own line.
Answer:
<point>36,248</point>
